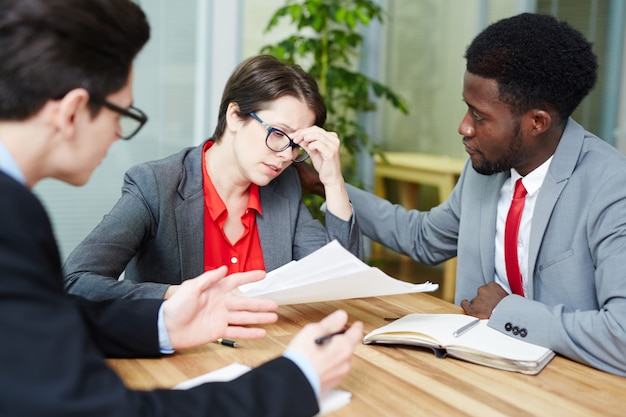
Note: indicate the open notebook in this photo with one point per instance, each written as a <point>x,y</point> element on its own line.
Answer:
<point>463,337</point>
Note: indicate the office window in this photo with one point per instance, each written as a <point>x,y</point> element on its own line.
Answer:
<point>602,23</point>
<point>425,41</point>
<point>165,89</point>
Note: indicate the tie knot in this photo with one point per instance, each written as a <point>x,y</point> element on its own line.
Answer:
<point>520,191</point>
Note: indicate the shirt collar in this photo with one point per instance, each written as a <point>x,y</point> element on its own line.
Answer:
<point>533,180</point>
<point>9,166</point>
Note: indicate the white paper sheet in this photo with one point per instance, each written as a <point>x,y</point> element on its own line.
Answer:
<point>330,273</point>
<point>330,401</point>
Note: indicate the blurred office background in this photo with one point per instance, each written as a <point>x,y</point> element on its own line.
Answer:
<point>418,51</point>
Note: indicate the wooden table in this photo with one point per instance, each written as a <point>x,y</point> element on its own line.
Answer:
<point>403,381</point>
<point>412,170</point>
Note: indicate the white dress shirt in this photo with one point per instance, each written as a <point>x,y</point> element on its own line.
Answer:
<point>9,166</point>
<point>532,182</point>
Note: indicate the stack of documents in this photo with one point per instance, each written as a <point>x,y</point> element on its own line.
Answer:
<point>330,273</point>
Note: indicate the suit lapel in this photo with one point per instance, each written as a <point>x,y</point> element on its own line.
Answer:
<point>491,195</point>
<point>190,216</point>
<point>561,168</point>
<point>274,222</point>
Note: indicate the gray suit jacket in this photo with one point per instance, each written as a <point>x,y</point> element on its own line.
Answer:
<point>155,232</point>
<point>576,301</point>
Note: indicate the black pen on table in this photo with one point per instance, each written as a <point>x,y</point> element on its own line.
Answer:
<point>227,342</point>
<point>324,339</point>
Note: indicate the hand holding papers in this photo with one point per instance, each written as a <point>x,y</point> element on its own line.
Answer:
<point>330,273</point>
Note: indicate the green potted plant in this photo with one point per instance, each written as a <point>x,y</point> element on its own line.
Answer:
<point>327,44</point>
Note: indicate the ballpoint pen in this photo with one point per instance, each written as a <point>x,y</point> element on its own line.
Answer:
<point>324,339</point>
<point>227,342</point>
<point>463,329</point>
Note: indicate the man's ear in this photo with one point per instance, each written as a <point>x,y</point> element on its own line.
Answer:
<point>71,110</point>
<point>540,121</point>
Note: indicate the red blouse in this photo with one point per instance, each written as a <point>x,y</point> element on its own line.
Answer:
<point>245,254</point>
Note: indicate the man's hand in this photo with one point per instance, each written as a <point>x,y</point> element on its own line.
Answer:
<point>487,298</point>
<point>331,360</point>
<point>205,308</point>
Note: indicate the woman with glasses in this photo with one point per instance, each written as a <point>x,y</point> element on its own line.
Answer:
<point>234,200</point>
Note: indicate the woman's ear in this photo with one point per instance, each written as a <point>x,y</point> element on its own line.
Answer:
<point>72,108</point>
<point>233,120</point>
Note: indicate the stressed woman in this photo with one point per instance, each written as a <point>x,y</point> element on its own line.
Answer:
<point>234,200</point>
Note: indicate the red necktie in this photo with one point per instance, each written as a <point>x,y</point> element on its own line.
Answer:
<point>510,238</point>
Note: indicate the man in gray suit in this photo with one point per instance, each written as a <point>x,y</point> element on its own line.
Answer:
<point>525,76</point>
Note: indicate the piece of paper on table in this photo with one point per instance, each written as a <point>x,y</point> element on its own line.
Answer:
<point>330,401</point>
<point>329,273</point>
<point>227,373</point>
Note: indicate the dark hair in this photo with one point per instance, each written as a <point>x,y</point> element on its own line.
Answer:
<point>537,61</point>
<point>263,78</point>
<point>49,47</point>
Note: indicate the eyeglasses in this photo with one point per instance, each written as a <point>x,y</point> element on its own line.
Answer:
<point>277,141</point>
<point>131,119</point>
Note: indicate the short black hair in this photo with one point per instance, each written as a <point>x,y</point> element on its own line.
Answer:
<point>50,47</point>
<point>538,62</point>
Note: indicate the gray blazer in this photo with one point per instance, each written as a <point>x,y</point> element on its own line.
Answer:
<point>155,232</point>
<point>576,301</point>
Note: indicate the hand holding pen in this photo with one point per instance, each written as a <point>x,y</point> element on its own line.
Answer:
<point>323,339</point>
<point>330,356</point>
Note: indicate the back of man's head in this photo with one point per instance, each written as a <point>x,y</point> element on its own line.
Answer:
<point>537,61</point>
<point>49,47</point>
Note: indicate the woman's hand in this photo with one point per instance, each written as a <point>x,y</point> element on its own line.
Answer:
<point>324,150</point>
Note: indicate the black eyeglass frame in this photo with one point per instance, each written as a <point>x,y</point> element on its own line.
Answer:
<point>270,130</point>
<point>139,116</point>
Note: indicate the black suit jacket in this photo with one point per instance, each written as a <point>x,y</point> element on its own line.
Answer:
<point>52,345</point>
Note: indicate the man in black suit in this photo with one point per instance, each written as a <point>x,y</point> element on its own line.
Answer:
<point>65,97</point>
